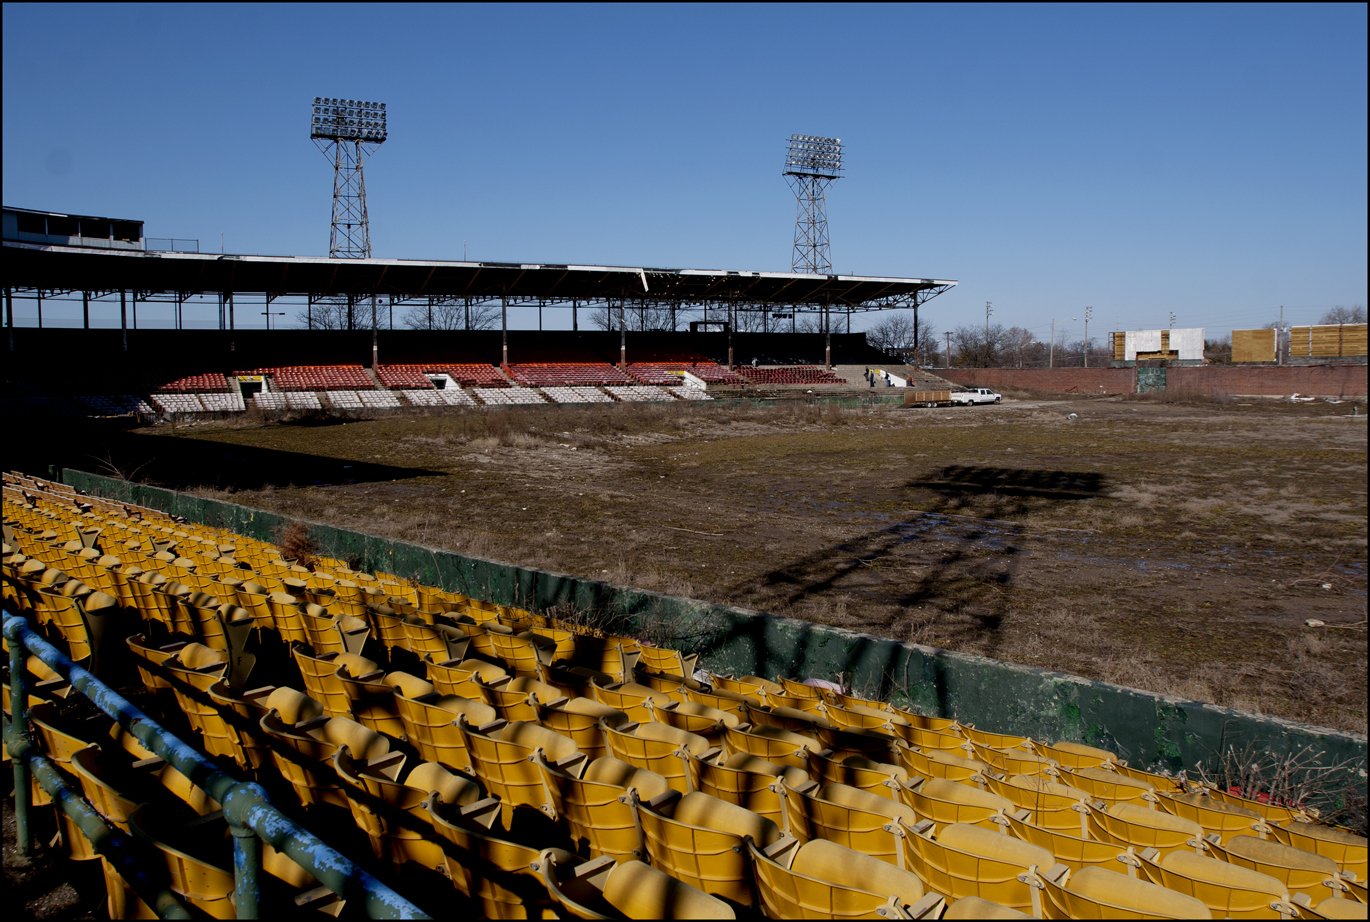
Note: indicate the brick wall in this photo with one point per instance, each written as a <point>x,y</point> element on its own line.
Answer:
<point>1319,380</point>
<point>1046,380</point>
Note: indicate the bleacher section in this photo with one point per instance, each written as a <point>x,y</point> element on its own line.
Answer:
<point>343,400</point>
<point>462,741</point>
<point>178,403</point>
<point>116,406</point>
<point>577,395</point>
<point>494,396</point>
<point>568,374</point>
<point>193,382</point>
<point>636,393</point>
<point>798,374</point>
<point>316,377</point>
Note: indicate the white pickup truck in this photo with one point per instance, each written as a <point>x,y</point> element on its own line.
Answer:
<point>950,398</point>
<point>976,395</point>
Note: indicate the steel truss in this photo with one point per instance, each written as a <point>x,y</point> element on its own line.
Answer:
<point>350,237</point>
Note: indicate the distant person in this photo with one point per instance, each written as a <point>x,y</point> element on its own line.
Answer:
<point>753,361</point>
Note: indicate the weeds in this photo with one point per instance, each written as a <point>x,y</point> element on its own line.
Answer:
<point>295,542</point>
<point>1297,780</point>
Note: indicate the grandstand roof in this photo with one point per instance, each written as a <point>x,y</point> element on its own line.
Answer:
<point>67,268</point>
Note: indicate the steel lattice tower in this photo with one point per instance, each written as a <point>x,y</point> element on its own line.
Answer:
<point>812,164</point>
<point>348,131</point>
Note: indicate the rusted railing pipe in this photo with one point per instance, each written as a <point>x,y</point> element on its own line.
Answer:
<point>246,805</point>
<point>110,842</point>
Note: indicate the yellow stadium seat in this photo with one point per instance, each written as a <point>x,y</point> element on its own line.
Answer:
<point>501,756</point>
<point>701,841</point>
<point>1127,825</point>
<point>824,880</point>
<point>845,815</point>
<point>430,725</point>
<point>934,740</point>
<point>630,698</point>
<point>1300,871</point>
<point>960,860</point>
<point>1098,894</point>
<point>1332,907</point>
<point>578,719</point>
<point>518,698</point>
<point>770,743</point>
<point>859,772</point>
<point>1049,804</point>
<point>1110,786</point>
<point>1344,847</point>
<point>946,802</point>
<point>462,678</point>
<point>699,719</point>
<point>939,763</point>
<point>595,803</point>
<point>388,803</point>
<point>1075,755</point>
<point>1229,891</point>
<point>490,863</point>
<point>660,659</point>
<point>200,867</point>
<point>1015,760</point>
<point>1216,817</point>
<point>866,717</point>
<point>441,640</point>
<point>307,739</point>
<point>746,780</point>
<point>321,679</point>
<point>665,750</point>
<point>785,718</point>
<point>603,889</point>
<point>719,699</point>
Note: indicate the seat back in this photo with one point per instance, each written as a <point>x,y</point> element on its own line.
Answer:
<point>785,894</point>
<point>578,719</point>
<point>596,805</point>
<point>850,817</point>
<point>770,743</point>
<point>1228,890</point>
<point>746,780</point>
<point>1095,893</point>
<point>701,841</point>
<point>1300,871</point>
<point>939,763</point>
<point>1344,847</point>
<point>659,748</point>
<point>430,726</point>
<point>1072,848</point>
<point>962,861</point>
<point>1127,824</point>
<point>487,865</point>
<point>946,802</point>
<point>502,759</point>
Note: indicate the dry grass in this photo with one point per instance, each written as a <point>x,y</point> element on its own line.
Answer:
<point>1176,547</point>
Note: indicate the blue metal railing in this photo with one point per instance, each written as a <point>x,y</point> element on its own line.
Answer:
<point>251,817</point>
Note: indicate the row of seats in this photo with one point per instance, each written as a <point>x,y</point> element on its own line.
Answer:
<point>669,372</point>
<point>568,374</point>
<point>542,767</point>
<point>416,376</point>
<point>316,377</point>
<point>797,374</point>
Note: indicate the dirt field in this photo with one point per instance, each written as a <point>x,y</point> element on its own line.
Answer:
<point>1173,547</point>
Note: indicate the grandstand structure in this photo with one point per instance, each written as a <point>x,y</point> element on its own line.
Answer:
<point>538,767</point>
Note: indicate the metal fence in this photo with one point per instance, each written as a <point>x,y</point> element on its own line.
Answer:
<point>251,817</point>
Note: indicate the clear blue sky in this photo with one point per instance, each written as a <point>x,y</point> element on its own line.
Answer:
<point>1206,160</point>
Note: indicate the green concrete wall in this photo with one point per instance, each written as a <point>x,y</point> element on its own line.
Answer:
<point>1149,730</point>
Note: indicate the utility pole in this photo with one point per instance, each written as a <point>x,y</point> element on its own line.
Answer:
<point>947,334</point>
<point>989,309</point>
<point>1051,352</point>
<point>1172,320</point>
<point>1279,339</point>
<point>1089,312</point>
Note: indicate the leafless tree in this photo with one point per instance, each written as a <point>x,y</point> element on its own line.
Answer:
<point>974,348</point>
<point>1340,314</point>
<point>331,315</point>
<point>635,316</point>
<point>450,314</point>
<point>896,332</point>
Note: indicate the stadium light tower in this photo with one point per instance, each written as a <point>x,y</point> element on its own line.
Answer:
<point>348,131</point>
<point>811,165</point>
